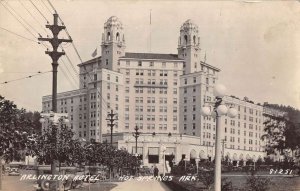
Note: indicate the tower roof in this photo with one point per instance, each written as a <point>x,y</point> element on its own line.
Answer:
<point>113,21</point>
<point>188,25</point>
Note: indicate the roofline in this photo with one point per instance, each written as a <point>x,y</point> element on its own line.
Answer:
<point>78,91</point>
<point>208,65</point>
<point>89,61</point>
<point>128,58</point>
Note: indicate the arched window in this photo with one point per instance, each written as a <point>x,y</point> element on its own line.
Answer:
<point>108,36</point>
<point>185,39</point>
<point>118,36</point>
<point>194,39</point>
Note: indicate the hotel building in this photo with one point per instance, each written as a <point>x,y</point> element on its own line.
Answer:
<point>161,94</point>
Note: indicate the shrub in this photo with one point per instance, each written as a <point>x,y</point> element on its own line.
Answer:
<point>207,178</point>
<point>226,185</point>
<point>257,183</point>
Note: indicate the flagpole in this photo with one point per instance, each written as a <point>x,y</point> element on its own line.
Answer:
<point>150,32</point>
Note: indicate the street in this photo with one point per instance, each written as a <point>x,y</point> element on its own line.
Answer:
<point>13,183</point>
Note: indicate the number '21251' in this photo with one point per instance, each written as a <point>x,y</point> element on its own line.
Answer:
<point>281,171</point>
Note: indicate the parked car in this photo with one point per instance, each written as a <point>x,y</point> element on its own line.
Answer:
<point>7,169</point>
<point>68,184</point>
<point>14,172</point>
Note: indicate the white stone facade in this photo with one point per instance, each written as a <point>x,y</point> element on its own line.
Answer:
<point>161,93</point>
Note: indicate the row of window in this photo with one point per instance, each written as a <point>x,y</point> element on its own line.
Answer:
<point>232,122</point>
<point>151,126</point>
<point>185,99</point>
<point>151,64</point>
<point>151,90</point>
<point>250,110</point>
<point>140,72</point>
<point>108,87</point>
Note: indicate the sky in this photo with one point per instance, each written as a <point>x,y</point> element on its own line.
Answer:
<point>255,44</point>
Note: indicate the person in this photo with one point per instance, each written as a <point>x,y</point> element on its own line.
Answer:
<point>152,170</point>
<point>155,171</point>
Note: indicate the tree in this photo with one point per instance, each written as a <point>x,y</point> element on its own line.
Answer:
<point>55,143</point>
<point>281,134</point>
<point>15,128</point>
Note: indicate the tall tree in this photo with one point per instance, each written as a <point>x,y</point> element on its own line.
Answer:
<point>55,143</point>
<point>280,134</point>
<point>15,128</point>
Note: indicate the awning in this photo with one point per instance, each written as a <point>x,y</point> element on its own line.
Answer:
<point>153,151</point>
<point>170,151</point>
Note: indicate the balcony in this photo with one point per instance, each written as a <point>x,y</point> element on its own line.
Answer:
<point>152,85</point>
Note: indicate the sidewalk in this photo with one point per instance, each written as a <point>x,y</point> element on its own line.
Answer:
<point>134,185</point>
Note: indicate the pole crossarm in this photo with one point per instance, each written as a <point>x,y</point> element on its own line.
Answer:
<point>111,119</point>
<point>55,55</point>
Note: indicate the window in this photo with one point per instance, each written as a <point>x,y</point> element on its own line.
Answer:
<point>175,100</point>
<point>140,63</point>
<point>153,154</point>
<point>175,82</point>
<point>163,64</point>
<point>174,90</point>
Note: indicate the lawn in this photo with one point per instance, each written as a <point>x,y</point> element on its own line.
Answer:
<point>278,183</point>
<point>97,187</point>
<point>238,179</point>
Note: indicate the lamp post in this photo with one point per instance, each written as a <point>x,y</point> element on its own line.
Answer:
<point>163,148</point>
<point>136,135</point>
<point>219,108</point>
<point>197,164</point>
<point>223,148</point>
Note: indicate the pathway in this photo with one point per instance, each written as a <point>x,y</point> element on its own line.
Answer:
<point>134,185</point>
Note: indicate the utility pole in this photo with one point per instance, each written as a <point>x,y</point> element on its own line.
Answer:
<point>111,119</point>
<point>136,135</point>
<point>55,55</point>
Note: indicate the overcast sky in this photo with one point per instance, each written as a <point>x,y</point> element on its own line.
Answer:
<point>256,45</point>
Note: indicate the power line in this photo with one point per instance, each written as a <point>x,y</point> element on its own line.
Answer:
<point>68,70</point>
<point>39,11</point>
<point>22,19</point>
<point>33,17</point>
<point>67,76</point>
<point>46,6</point>
<point>18,35</point>
<point>30,76</point>
<point>20,72</point>
<point>17,19</point>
